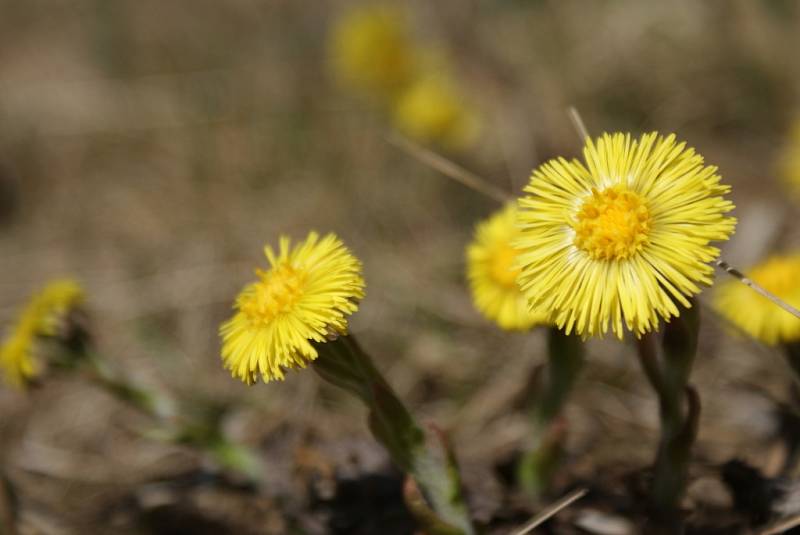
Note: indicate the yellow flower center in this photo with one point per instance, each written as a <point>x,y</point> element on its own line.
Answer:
<point>275,294</point>
<point>612,224</point>
<point>778,277</point>
<point>500,266</point>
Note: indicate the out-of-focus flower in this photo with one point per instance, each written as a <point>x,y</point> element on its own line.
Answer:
<point>372,51</point>
<point>434,110</point>
<point>621,237</point>
<point>16,357</point>
<point>41,317</point>
<point>492,277</point>
<point>756,315</point>
<point>305,296</point>
<point>789,162</point>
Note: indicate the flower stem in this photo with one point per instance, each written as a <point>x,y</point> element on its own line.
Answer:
<point>198,427</point>
<point>428,461</point>
<point>679,409</point>
<point>148,402</point>
<point>565,361</point>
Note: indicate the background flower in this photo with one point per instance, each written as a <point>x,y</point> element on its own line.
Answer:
<point>372,50</point>
<point>756,315</point>
<point>433,110</point>
<point>492,277</point>
<point>42,316</point>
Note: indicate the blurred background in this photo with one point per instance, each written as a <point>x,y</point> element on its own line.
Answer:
<point>150,149</point>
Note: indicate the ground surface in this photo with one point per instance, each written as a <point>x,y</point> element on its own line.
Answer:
<point>150,151</point>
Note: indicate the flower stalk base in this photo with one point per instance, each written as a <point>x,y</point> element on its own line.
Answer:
<point>425,457</point>
<point>564,363</point>
<point>667,369</point>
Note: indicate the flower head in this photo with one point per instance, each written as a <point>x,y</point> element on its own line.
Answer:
<point>620,238</point>
<point>305,296</point>
<point>789,162</point>
<point>492,275</point>
<point>372,50</point>
<point>433,110</point>
<point>756,315</point>
<point>41,317</point>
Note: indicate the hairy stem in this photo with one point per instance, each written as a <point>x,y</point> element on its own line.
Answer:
<point>564,363</point>
<point>429,462</point>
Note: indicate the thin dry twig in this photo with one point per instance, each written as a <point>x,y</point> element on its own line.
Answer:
<point>578,123</point>
<point>781,526</point>
<point>551,511</point>
<point>738,275</point>
<point>450,169</point>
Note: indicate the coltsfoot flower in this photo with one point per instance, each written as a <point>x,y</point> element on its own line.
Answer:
<point>372,50</point>
<point>756,315</point>
<point>492,275</point>
<point>305,296</point>
<point>41,317</point>
<point>433,110</point>
<point>617,240</point>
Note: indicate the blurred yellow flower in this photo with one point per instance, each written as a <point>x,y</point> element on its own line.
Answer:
<point>757,315</point>
<point>40,317</point>
<point>492,278</point>
<point>789,162</point>
<point>433,110</point>
<point>16,357</point>
<point>372,50</point>
<point>621,237</point>
<point>305,296</point>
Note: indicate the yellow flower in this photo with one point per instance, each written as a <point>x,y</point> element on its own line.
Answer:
<point>492,279</point>
<point>433,110</point>
<point>372,51</point>
<point>621,237</point>
<point>305,296</point>
<point>757,315</point>
<point>41,317</point>
<point>789,163</point>
<point>16,358</point>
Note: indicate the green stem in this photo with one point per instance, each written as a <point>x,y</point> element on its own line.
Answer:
<point>539,463</point>
<point>565,361</point>
<point>679,409</point>
<point>146,401</point>
<point>197,429</point>
<point>236,457</point>
<point>344,364</point>
<point>647,351</point>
